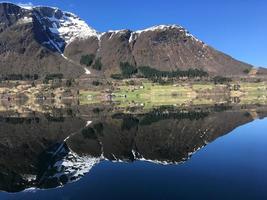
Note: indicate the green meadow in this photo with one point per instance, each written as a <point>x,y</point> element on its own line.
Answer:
<point>150,94</point>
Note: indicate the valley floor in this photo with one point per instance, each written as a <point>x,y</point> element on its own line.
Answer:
<point>131,93</point>
<point>148,94</point>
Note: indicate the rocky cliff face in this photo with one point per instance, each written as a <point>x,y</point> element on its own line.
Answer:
<point>44,40</point>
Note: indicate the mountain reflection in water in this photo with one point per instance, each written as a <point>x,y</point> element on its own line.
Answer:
<point>48,150</point>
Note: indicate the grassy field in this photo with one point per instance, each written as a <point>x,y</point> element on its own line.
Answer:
<point>147,94</point>
<point>150,94</point>
<point>253,88</point>
<point>251,93</point>
<point>153,95</point>
<point>90,97</point>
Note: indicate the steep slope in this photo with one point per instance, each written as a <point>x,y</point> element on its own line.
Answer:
<point>165,47</point>
<point>62,27</point>
<point>45,40</point>
<point>29,44</point>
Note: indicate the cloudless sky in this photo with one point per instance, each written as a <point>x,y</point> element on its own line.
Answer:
<point>236,27</point>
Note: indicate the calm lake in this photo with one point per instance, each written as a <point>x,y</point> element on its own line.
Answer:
<point>99,152</point>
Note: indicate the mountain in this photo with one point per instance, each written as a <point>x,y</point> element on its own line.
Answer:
<point>30,43</point>
<point>45,40</point>
<point>164,47</point>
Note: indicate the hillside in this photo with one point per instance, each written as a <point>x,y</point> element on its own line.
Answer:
<point>45,40</point>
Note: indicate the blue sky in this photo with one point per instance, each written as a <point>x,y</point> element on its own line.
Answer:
<point>236,27</point>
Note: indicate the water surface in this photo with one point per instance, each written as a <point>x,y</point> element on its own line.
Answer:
<point>207,152</point>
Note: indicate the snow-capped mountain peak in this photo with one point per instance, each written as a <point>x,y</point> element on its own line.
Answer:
<point>62,27</point>
<point>182,30</point>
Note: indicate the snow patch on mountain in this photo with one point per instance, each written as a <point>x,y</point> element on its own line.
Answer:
<point>136,34</point>
<point>61,27</point>
<point>71,27</point>
<point>27,6</point>
<point>87,71</point>
<point>158,27</point>
<point>114,32</point>
<point>64,25</point>
<point>25,20</point>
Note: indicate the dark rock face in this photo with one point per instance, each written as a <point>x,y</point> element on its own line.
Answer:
<point>32,41</point>
<point>9,14</point>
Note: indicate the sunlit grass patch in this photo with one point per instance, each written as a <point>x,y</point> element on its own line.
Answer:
<point>89,97</point>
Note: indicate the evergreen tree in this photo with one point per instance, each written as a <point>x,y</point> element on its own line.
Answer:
<point>87,59</point>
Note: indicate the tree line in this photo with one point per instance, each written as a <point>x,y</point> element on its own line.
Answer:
<point>90,60</point>
<point>128,71</point>
<point>19,77</point>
